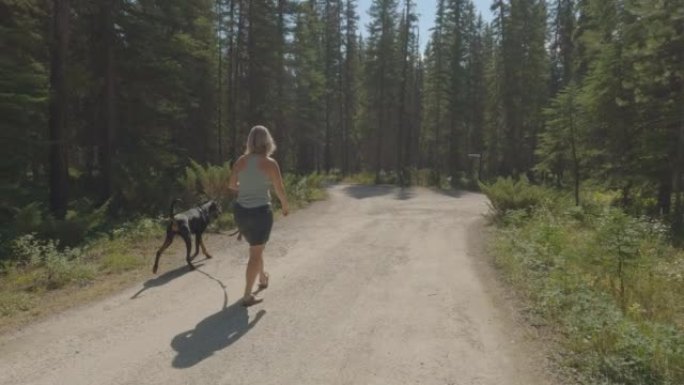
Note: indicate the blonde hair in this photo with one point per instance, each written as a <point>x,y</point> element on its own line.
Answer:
<point>260,141</point>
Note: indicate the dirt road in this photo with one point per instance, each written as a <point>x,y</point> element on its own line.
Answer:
<point>374,286</point>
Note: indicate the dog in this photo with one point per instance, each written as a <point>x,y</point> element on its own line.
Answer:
<point>194,221</point>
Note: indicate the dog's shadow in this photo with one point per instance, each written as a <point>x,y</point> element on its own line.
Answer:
<point>214,333</point>
<point>164,279</point>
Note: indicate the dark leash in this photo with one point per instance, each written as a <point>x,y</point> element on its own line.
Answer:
<point>238,233</point>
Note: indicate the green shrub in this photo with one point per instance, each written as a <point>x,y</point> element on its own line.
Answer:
<point>419,177</point>
<point>200,182</point>
<point>82,220</point>
<point>507,194</point>
<point>53,268</point>
<point>303,189</point>
<point>29,219</point>
<point>29,250</point>
<point>369,178</point>
<point>224,221</point>
<point>365,178</point>
<point>77,225</point>
<point>137,230</point>
<point>435,179</point>
<point>610,283</point>
<point>64,269</point>
<point>459,180</point>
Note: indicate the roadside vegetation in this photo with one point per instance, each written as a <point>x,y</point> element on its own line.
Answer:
<point>45,258</point>
<point>610,285</point>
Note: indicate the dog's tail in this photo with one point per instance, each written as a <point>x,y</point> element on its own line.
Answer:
<point>173,205</point>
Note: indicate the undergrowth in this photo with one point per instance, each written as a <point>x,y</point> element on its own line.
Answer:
<point>33,264</point>
<point>610,284</point>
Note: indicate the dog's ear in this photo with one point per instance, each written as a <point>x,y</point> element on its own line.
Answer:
<point>204,197</point>
<point>214,205</point>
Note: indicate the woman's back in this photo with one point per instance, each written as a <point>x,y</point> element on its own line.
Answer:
<point>254,190</point>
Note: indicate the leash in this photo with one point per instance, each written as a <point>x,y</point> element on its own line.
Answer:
<point>238,233</point>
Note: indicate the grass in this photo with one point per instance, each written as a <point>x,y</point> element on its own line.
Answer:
<point>610,285</point>
<point>41,278</point>
<point>120,262</point>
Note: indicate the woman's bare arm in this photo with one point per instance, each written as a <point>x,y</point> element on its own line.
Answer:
<point>233,181</point>
<point>277,180</point>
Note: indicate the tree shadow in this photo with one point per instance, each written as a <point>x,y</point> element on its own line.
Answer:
<point>405,193</point>
<point>364,191</point>
<point>450,192</point>
<point>214,333</point>
<point>164,279</point>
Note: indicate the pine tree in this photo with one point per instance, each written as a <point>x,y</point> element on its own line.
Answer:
<point>23,101</point>
<point>350,83</point>
<point>476,91</point>
<point>654,46</point>
<point>262,73</point>
<point>108,113</point>
<point>58,128</point>
<point>332,41</point>
<point>381,74</point>
<point>563,44</point>
<point>309,86</point>
<point>404,126</point>
<point>561,144</point>
<point>436,91</point>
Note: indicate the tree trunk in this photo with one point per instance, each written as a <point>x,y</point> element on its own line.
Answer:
<point>401,167</point>
<point>57,125</point>
<point>349,103</point>
<point>108,105</point>
<point>678,176</point>
<point>413,136</point>
<point>237,66</point>
<point>219,117</point>
<point>330,80</point>
<point>281,124</point>
<point>665,193</point>
<point>340,78</point>
<point>573,143</point>
<point>230,83</point>
<point>378,143</point>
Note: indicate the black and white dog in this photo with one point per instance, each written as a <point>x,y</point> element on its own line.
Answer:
<point>194,221</point>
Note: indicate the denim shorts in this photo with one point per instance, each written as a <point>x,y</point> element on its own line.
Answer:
<point>254,223</point>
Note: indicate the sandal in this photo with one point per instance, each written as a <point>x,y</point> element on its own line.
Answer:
<point>252,300</point>
<point>264,285</point>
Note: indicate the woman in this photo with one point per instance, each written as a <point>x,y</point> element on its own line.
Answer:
<point>253,174</point>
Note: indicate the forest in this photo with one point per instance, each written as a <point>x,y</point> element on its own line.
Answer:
<point>567,114</point>
<point>109,101</point>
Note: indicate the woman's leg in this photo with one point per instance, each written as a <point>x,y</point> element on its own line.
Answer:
<point>268,225</point>
<point>254,267</point>
<point>263,276</point>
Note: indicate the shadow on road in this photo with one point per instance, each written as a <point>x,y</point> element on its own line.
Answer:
<point>214,333</point>
<point>405,193</point>
<point>450,193</point>
<point>401,193</point>
<point>363,191</point>
<point>163,279</point>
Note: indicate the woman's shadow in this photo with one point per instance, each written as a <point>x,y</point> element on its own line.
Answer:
<point>214,333</point>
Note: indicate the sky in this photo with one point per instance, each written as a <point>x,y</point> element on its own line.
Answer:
<point>426,13</point>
